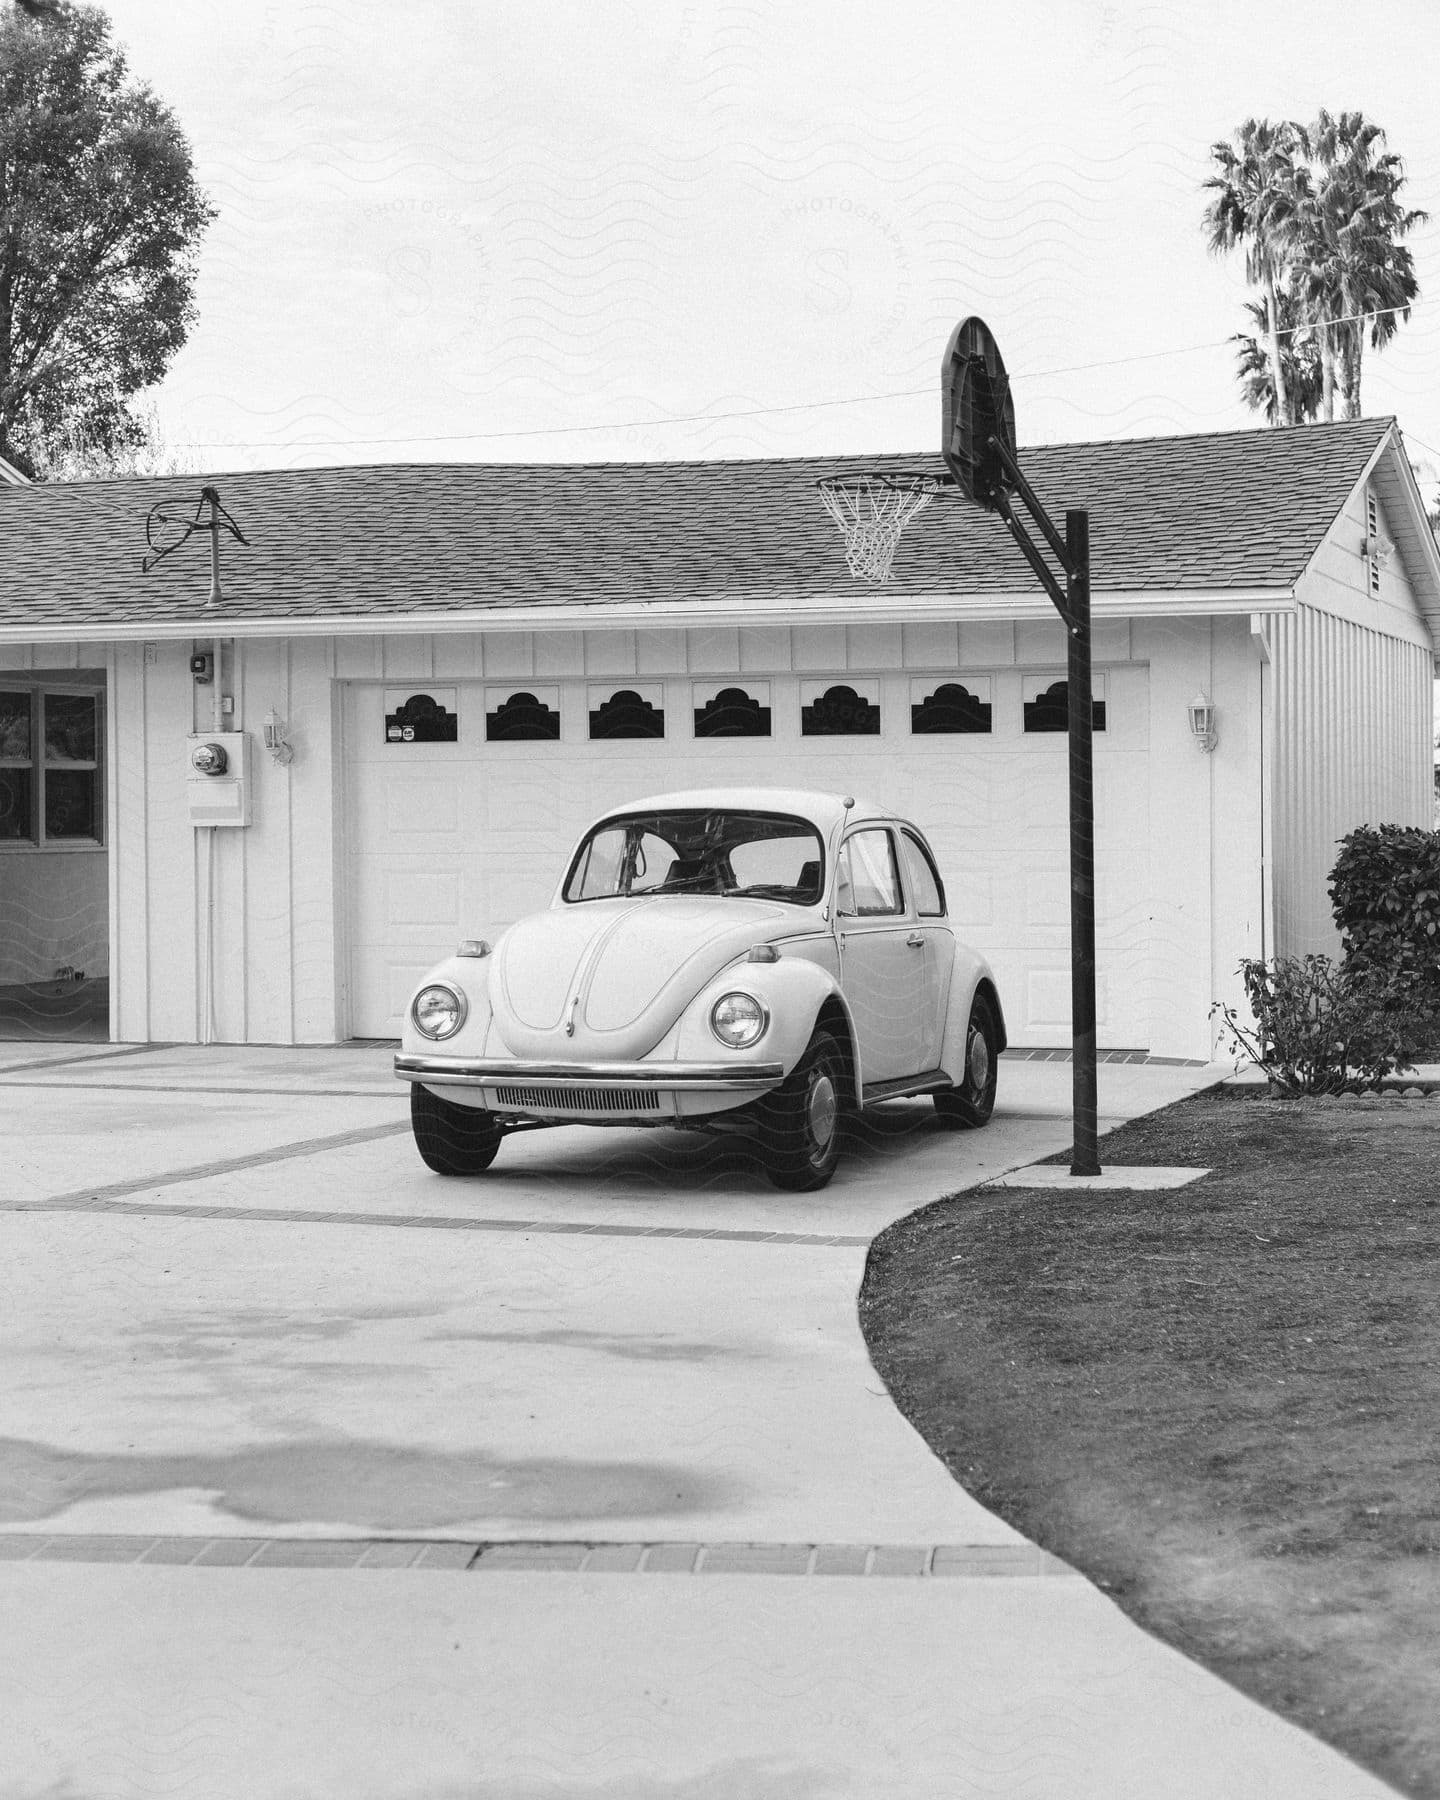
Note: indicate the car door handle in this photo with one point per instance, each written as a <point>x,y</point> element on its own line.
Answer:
<point>915,941</point>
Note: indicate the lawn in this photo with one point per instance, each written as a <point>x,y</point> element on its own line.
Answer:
<point>1221,1402</point>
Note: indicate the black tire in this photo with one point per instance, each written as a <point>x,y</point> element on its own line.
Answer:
<point>452,1140</point>
<point>968,1106</point>
<point>802,1122</point>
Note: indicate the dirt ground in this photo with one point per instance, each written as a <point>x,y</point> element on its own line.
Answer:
<point>1221,1402</point>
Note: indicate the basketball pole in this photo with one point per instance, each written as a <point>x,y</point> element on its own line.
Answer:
<point>1085,1151</point>
<point>1072,602</point>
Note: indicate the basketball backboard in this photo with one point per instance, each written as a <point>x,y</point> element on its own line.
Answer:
<point>975,405</point>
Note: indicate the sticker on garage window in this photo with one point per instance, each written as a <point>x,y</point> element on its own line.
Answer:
<point>421,718</point>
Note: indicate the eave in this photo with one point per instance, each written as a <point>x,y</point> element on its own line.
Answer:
<point>711,613</point>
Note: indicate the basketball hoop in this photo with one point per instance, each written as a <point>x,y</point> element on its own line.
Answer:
<point>873,509</point>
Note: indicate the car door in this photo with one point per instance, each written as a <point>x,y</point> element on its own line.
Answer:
<point>926,895</point>
<point>882,960</point>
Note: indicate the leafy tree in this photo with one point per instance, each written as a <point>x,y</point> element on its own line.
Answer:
<point>1349,265</point>
<point>70,454</point>
<point>100,224</point>
<point>1318,210</point>
<point>1255,197</point>
<point>1299,363</point>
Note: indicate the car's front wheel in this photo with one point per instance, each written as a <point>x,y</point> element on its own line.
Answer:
<point>801,1121</point>
<point>971,1103</point>
<point>452,1140</point>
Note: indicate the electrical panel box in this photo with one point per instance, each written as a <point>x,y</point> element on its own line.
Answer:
<point>217,777</point>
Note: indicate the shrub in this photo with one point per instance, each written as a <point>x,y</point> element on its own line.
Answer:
<point>1319,1028</point>
<point>1385,889</point>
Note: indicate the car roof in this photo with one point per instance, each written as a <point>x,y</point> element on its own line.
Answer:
<point>822,809</point>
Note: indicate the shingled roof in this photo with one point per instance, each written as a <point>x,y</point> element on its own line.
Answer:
<point>1241,510</point>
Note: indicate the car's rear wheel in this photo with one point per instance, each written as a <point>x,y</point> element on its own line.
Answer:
<point>801,1122</point>
<point>971,1103</point>
<point>452,1140</point>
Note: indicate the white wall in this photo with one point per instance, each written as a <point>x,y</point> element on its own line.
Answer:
<point>280,957</point>
<point>1354,698</point>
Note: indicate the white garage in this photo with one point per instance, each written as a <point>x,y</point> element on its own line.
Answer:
<point>431,677</point>
<point>457,838</point>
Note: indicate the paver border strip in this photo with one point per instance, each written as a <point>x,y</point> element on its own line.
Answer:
<point>233,1092</point>
<point>568,1556</point>
<point>275,1215</point>
<point>101,1054</point>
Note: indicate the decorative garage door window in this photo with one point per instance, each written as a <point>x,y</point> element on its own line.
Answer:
<point>50,767</point>
<point>627,713</point>
<point>840,710</point>
<point>523,717</point>
<point>732,711</point>
<point>951,707</point>
<point>428,718</point>
<point>1047,704</point>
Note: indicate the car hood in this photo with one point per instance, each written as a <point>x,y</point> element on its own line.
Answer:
<point>608,978</point>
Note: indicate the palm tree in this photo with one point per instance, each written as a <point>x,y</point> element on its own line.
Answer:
<point>1349,267</point>
<point>1258,189</point>
<point>1300,373</point>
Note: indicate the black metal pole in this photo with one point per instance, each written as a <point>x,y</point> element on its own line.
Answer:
<point>1085,1153</point>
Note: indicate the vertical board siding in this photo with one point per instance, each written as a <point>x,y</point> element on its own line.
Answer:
<point>1351,742</point>
<point>1352,746</point>
<point>264,882</point>
<point>129,849</point>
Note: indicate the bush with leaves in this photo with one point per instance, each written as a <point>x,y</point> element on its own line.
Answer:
<point>1319,1028</point>
<point>1385,889</point>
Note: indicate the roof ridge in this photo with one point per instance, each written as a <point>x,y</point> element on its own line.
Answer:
<point>1269,434</point>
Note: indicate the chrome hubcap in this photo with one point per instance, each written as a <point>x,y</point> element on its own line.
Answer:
<point>979,1061</point>
<point>820,1111</point>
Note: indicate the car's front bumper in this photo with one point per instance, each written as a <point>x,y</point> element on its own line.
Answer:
<point>562,1077</point>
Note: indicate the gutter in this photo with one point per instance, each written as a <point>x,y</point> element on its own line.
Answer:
<point>775,610</point>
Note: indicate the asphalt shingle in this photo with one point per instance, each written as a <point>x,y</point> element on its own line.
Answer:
<point>1242,509</point>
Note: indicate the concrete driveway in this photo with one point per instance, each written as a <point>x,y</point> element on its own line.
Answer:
<point>323,1475</point>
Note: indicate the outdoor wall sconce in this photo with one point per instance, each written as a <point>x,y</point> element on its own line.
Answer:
<point>1202,723</point>
<point>276,740</point>
<point>1377,548</point>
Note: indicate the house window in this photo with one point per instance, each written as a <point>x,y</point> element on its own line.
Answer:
<point>840,711</point>
<point>50,787</point>
<point>950,708</point>
<point>733,712</point>
<point>1050,710</point>
<point>523,718</point>
<point>422,718</point>
<point>627,713</point>
<point>1372,538</point>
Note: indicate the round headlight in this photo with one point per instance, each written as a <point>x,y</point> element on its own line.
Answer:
<point>438,1011</point>
<point>738,1020</point>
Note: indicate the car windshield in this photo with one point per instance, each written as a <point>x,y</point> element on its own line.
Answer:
<point>708,851</point>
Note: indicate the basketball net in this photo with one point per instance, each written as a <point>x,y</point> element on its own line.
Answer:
<point>872,511</point>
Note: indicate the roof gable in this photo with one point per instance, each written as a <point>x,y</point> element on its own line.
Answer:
<point>1238,510</point>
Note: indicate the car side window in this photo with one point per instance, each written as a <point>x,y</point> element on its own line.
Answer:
<point>869,883</point>
<point>924,879</point>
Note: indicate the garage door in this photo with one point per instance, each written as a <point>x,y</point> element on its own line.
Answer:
<point>448,839</point>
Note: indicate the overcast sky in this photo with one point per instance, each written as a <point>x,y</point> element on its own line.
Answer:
<point>463,230</point>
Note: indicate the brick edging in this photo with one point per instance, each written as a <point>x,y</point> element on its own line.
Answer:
<point>544,1556</point>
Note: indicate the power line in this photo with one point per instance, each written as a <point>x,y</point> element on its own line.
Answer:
<point>750,412</point>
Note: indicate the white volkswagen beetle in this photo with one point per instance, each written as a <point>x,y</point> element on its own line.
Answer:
<point>748,958</point>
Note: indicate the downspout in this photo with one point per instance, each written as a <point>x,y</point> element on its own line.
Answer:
<point>1259,631</point>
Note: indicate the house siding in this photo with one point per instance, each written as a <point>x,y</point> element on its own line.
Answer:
<point>1352,746</point>
<point>280,956</point>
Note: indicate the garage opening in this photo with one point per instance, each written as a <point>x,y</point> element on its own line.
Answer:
<point>54,877</point>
